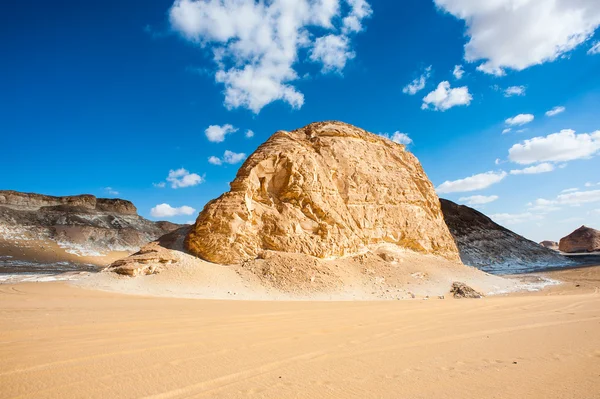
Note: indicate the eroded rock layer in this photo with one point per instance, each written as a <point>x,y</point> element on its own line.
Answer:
<point>327,190</point>
<point>488,246</point>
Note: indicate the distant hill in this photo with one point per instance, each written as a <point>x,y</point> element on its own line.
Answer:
<point>64,228</point>
<point>488,246</point>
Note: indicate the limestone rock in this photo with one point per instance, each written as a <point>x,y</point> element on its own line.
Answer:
<point>327,190</point>
<point>149,260</point>
<point>484,244</point>
<point>584,239</point>
<point>82,225</point>
<point>461,290</point>
<point>553,245</point>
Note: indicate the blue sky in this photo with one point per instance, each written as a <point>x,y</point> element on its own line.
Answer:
<point>110,97</point>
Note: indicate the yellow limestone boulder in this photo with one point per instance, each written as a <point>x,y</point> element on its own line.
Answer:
<point>328,190</point>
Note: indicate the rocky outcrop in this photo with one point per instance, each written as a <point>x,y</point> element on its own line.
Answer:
<point>327,190</point>
<point>33,202</point>
<point>584,239</point>
<point>491,247</point>
<point>81,225</point>
<point>550,245</point>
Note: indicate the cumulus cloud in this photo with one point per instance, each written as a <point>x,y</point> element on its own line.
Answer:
<point>519,120</point>
<point>478,199</point>
<point>533,170</point>
<point>515,91</point>
<point>181,178</point>
<point>472,183</point>
<point>507,130</point>
<point>595,49</point>
<point>571,198</point>
<point>217,133</point>
<point>555,111</point>
<point>110,191</point>
<point>557,147</point>
<point>166,210</point>
<point>249,134</point>
<point>515,218</point>
<point>398,137</point>
<point>517,34</point>
<point>444,97</point>
<point>417,84</point>
<point>332,51</point>
<point>458,72</point>
<point>229,157</point>
<point>257,44</point>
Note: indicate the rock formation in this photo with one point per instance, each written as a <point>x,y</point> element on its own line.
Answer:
<point>327,190</point>
<point>491,247</point>
<point>550,245</point>
<point>584,239</point>
<point>81,225</point>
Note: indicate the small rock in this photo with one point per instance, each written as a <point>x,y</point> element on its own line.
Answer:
<point>461,290</point>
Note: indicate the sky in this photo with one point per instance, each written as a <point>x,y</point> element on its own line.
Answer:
<point>159,102</point>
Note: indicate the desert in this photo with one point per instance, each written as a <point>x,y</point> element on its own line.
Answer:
<point>286,199</point>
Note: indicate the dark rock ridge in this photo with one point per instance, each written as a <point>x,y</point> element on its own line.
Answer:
<point>82,224</point>
<point>584,239</point>
<point>493,248</point>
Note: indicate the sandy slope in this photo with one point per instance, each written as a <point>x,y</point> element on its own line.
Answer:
<point>59,341</point>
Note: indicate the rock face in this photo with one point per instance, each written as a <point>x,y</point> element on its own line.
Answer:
<point>327,190</point>
<point>491,247</point>
<point>550,245</point>
<point>584,239</point>
<point>82,225</point>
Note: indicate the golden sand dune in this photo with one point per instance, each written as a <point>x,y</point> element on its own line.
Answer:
<point>58,341</point>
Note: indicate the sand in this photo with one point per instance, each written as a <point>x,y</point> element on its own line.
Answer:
<point>61,341</point>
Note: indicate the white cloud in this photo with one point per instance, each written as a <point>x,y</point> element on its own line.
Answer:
<point>162,184</point>
<point>166,210</point>
<point>519,120</point>
<point>110,191</point>
<point>256,45</point>
<point>472,183</point>
<point>543,205</point>
<point>572,198</point>
<point>557,147</point>
<point>532,170</point>
<point>249,134</point>
<point>444,97</point>
<point>507,130</point>
<point>555,111</point>
<point>398,137</point>
<point>418,84</point>
<point>229,157</point>
<point>215,160</point>
<point>569,190</point>
<point>595,49</point>
<point>517,34</point>
<point>458,72</point>
<point>333,51</point>
<point>515,218</point>
<point>478,199</point>
<point>216,133</point>
<point>578,197</point>
<point>590,184</point>
<point>181,178</point>
<point>515,91</point>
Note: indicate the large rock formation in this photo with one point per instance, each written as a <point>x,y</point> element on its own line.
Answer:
<point>327,190</point>
<point>491,247</point>
<point>550,245</point>
<point>81,225</point>
<point>584,239</point>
